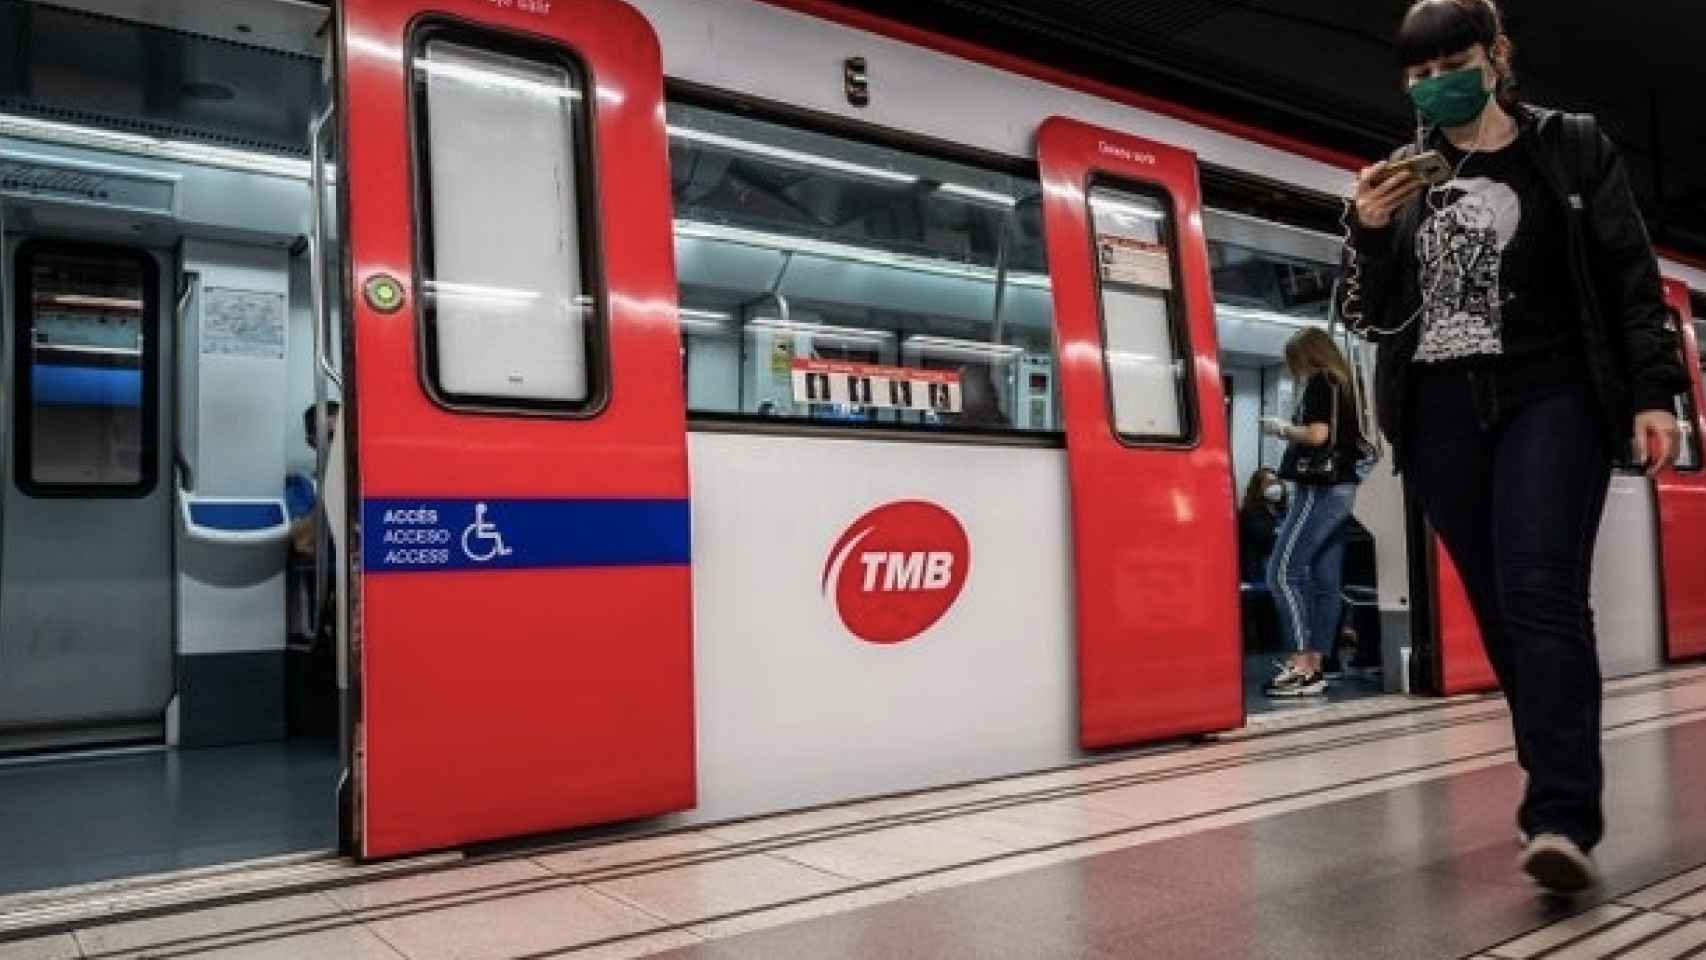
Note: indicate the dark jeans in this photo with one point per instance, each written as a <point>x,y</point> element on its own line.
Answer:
<point>1514,481</point>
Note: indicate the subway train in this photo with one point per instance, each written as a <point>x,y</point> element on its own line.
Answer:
<point>719,408</point>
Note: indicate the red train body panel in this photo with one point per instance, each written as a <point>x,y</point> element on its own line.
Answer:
<point>512,701</point>
<point>1682,512</point>
<point>555,688</point>
<point>1139,594</point>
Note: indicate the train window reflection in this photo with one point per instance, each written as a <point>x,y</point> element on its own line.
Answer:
<point>1145,360</point>
<point>85,375</point>
<point>1689,455</point>
<point>839,281</point>
<point>509,305</point>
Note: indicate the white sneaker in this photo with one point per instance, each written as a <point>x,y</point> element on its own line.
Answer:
<point>1558,864</point>
<point>1283,681</point>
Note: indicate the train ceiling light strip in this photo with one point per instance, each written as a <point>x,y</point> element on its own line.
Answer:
<point>701,230</point>
<point>84,300</point>
<point>790,156</point>
<point>822,331</point>
<point>951,345</point>
<point>980,195</point>
<point>78,135</point>
<point>709,321</point>
<point>976,194</point>
<point>1254,315</point>
<point>1103,204</point>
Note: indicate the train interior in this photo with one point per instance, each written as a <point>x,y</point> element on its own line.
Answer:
<point>167,694</point>
<point>1271,281</point>
<point>169,684</point>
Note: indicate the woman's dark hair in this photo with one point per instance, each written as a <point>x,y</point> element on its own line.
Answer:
<point>1439,28</point>
<point>1256,488</point>
<point>308,421</point>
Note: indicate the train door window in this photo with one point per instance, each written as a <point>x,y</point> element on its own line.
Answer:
<point>1143,349</point>
<point>508,292</point>
<point>1697,306</point>
<point>843,281</point>
<point>1689,456</point>
<point>86,423</point>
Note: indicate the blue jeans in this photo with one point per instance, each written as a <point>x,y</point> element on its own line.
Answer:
<point>1307,565</point>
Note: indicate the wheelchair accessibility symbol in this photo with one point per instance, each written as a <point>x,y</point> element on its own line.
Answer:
<point>481,540</point>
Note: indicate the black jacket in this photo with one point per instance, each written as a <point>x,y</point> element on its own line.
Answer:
<point>1632,351</point>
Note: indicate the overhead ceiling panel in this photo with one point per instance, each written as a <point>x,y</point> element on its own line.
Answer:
<point>1323,70</point>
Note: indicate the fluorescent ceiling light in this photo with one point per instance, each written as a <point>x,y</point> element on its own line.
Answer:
<point>1257,315</point>
<point>492,79</point>
<point>698,230</point>
<point>711,316</point>
<point>447,290</point>
<point>790,156</point>
<point>823,331</point>
<point>1120,208</point>
<point>980,195</point>
<point>1127,358</point>
<point>82,300</point>
<point>71,134</point>
<point>929,344</point>
<point>709,321</point>
<point>88,348</point>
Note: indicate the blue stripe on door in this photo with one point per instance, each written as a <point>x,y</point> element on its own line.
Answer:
<point>425,535</point>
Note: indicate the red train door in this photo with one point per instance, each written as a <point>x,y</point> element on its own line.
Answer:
<point>1681,494</point>
<point>523,641</point>
<point>1152,510</point>
<point>1682,503</point>
<point>1464,667</point>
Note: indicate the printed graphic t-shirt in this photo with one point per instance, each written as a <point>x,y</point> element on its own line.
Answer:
<point>1491,244</point>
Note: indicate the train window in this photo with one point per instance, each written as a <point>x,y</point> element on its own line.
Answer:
<point>509,301</point>
<point>845,282</point>
<point>1697,306</point>
<point>1140,331</point>
<point>85,422</point>
<point>1689,457</point>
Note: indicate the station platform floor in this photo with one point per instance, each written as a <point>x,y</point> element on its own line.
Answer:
<point>1389,838</point>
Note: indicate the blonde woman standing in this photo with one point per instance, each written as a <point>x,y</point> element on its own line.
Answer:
<point>1323,458</point>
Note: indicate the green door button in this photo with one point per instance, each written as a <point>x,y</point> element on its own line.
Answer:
<point>384,293</point>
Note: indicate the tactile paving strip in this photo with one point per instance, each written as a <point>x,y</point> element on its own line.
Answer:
<point>1666,921</point>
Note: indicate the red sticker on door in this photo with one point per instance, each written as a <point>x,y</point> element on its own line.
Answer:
<point>897,570</point>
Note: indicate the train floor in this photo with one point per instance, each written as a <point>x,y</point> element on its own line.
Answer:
<point>1391,840</point>
<point>106,816</point>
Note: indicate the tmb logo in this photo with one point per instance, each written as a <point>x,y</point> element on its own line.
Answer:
<point>897,570</point>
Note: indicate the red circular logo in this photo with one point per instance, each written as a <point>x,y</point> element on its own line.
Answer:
<point>897,570</point>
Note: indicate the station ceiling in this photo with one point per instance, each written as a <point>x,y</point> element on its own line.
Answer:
<point>1320,70</point>
<point>1323,70</point>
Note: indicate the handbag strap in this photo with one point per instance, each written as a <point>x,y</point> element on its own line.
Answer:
<point>1333,423</point>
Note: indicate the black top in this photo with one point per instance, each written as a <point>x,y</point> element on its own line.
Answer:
<point>1491,247</point>
<point>1630,350</point>
<point>1316,406</point>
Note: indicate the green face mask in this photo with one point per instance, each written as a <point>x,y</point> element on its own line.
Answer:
<point>1452,99</point>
